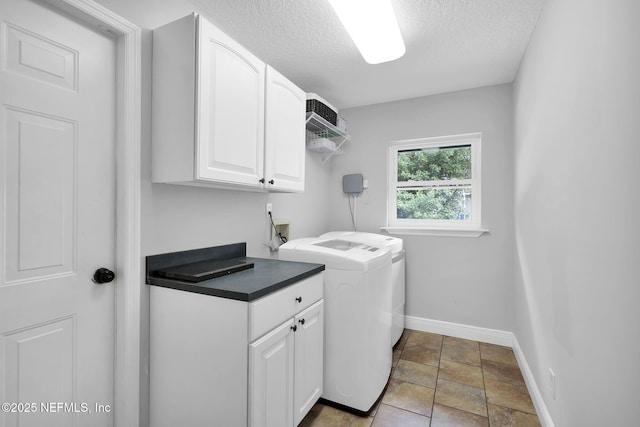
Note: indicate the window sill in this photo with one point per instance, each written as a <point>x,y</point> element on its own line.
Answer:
<point>432,231</point>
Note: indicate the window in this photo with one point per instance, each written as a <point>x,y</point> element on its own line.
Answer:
<point>434,183</point>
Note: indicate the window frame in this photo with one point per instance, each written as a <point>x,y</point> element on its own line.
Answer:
<point>441,227</point>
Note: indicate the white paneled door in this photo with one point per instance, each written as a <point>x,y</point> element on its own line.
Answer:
<point>57,195</point>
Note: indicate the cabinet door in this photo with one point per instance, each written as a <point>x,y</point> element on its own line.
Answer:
<point>309,357</point>
<point>271,378</point>
<point>285,134</point>
<point>230,110</point>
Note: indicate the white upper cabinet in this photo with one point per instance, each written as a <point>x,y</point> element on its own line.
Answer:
<point>230,110</point>
<point>285,134</point>
<point>209,98</point>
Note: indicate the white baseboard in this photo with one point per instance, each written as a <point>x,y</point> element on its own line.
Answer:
<point>490,336</point>
<point>543,413</point>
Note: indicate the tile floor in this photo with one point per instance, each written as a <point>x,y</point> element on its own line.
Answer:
<point>441,381</point>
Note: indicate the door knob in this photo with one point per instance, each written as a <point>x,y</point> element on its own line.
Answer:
<point>103,275</point>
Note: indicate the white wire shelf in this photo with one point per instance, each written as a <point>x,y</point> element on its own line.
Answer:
<point>324,137</point>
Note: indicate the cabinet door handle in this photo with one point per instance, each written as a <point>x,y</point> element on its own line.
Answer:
<point>301,321</point>
<point>261,181</point>
<point>294,328</point>
<point>271,181</point>
<point>299,299</point>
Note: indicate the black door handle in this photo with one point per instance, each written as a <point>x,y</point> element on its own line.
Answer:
<point>103,275</point>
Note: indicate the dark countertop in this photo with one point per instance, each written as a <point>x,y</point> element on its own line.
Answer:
<point>267,276</point>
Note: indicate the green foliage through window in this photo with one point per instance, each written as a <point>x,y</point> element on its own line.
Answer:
<point>434,204</point>
<point>434,168</point>
<point>435,164</point>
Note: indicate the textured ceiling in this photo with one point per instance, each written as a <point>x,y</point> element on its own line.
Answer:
<point>451,45</point>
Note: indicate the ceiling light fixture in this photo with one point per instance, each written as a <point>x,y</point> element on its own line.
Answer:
<point>373,26</point>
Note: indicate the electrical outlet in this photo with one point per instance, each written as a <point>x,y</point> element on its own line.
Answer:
<point>552,383</point>
<point>269,208</point>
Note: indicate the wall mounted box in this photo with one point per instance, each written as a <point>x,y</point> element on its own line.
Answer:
<point>353,184</point>
<point>317,105</point>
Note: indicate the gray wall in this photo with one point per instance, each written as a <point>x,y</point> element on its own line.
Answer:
<point>456,279</point>
<point>577,147</point>
<point>569,292</point>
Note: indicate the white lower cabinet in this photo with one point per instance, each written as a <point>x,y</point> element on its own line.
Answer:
<point>223,362</point>
<point>271,378</point>
<point>309,360</point>
<point>285,373</point>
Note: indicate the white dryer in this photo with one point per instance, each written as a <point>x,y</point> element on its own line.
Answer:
<point>357,357</point>
<point>396,245</point>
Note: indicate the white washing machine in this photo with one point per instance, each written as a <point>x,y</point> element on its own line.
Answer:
<point>357,356</point>
<point>396,245</point>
